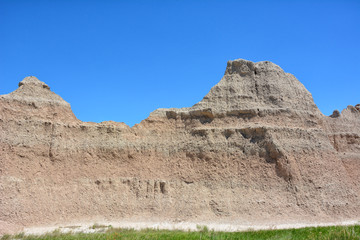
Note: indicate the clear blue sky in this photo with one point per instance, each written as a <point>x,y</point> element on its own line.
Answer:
<point>120,60</point>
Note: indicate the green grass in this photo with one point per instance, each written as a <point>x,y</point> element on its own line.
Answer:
<point>96,226</point>
<point>320,233</point>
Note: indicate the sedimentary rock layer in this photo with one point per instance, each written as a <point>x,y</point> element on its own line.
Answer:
<point>256,149</point>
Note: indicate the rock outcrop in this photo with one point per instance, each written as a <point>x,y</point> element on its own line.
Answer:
<point>256,149</point>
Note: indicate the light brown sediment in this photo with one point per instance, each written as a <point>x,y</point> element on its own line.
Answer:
<point>256,149</point>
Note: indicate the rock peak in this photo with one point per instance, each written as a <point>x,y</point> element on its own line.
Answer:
<point>38,101</point>
<point>253,87</point>
<point>33,81</point>
<point>245,67</point>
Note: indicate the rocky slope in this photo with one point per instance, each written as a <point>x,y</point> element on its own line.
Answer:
<point>256,149</point>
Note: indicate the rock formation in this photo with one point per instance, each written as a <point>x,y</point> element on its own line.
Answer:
<point>256,149</point>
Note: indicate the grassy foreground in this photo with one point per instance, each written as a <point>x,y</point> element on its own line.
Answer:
<point>321,233</point>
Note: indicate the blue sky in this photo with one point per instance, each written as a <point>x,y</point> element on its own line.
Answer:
<point>121,60</point>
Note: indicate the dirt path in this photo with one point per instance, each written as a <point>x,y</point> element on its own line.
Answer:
<point>192,226</point>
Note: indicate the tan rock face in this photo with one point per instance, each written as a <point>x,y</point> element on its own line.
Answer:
<point>34,100</point>
<point>256,149</point>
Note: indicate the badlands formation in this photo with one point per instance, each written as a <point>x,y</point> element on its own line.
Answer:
<point>255,150</point>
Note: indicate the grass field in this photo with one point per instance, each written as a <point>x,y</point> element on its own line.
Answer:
<point>321,233</point>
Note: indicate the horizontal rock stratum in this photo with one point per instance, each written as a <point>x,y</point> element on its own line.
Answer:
<point>256,149</point>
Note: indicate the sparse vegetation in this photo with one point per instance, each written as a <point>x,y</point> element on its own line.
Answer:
<point>97,226</point>
<point>203,233</point>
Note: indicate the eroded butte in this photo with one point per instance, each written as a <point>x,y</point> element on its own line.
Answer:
<point>256,149</point>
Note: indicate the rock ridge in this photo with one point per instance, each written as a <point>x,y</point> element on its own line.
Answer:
<point>255,149</point>
<point>249,87</point>
<point>36,98</point>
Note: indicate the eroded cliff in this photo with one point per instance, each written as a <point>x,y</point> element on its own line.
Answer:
<point>256,149</point>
